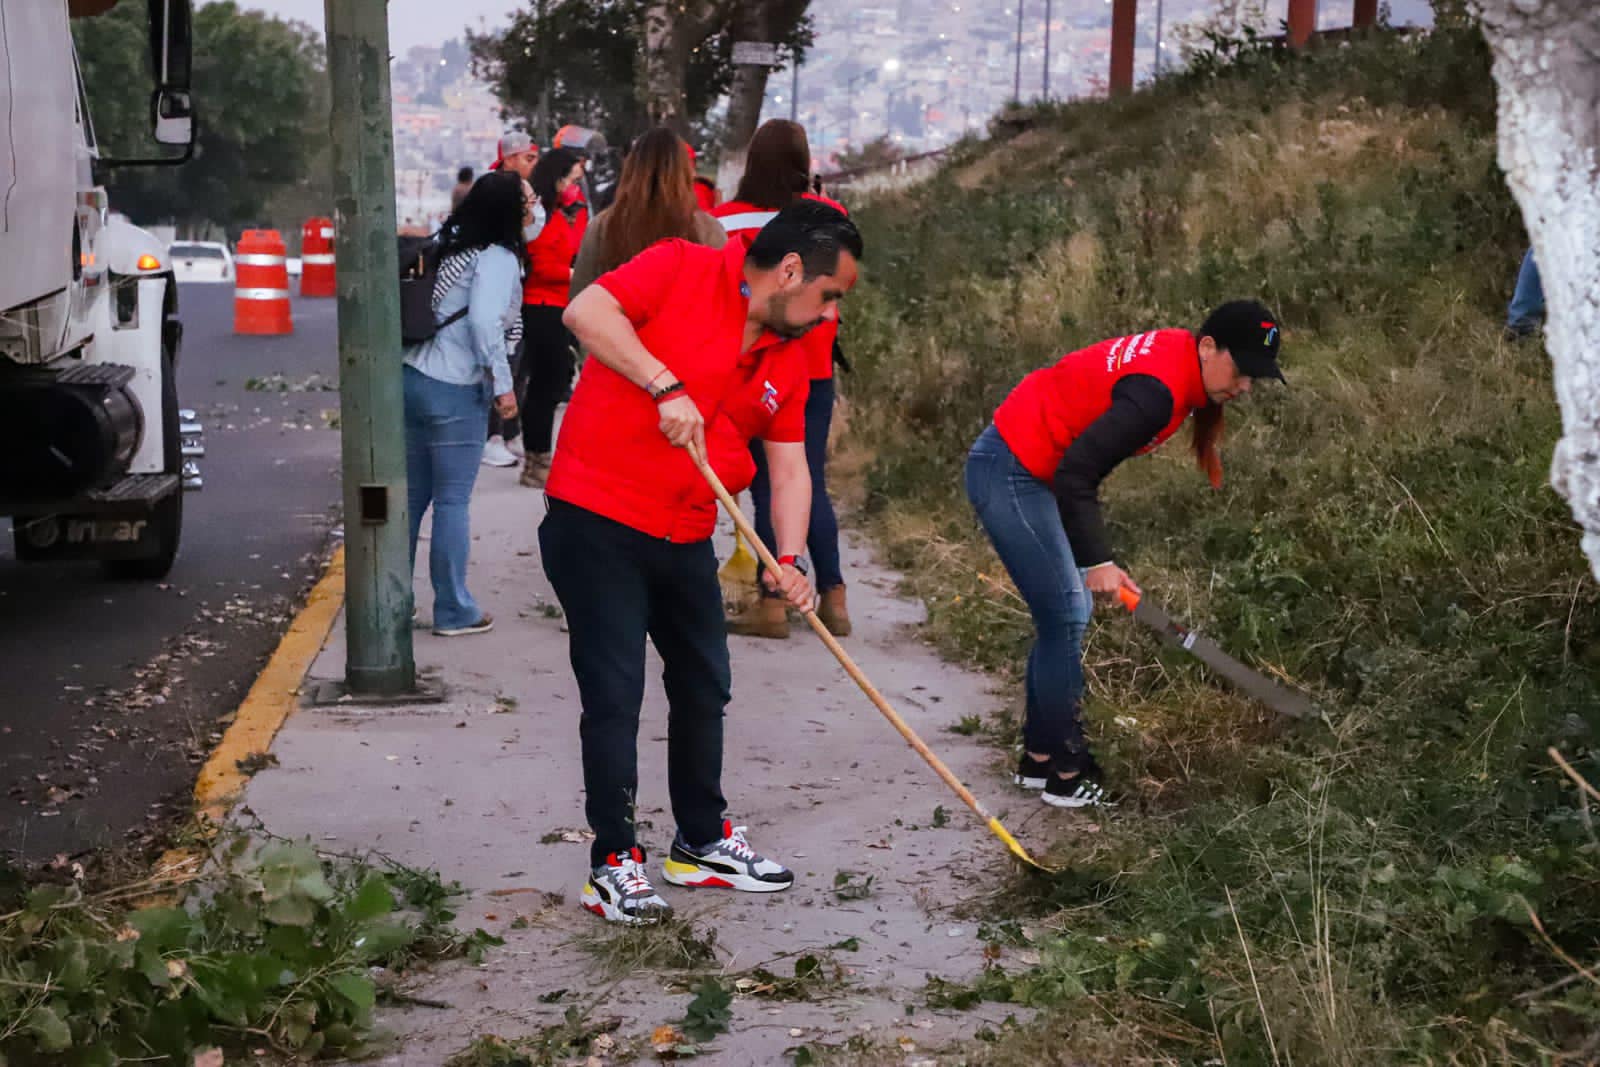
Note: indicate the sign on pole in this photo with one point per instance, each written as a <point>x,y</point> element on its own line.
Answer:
<point>755,54</point>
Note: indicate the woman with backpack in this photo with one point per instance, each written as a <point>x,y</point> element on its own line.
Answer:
<point>655,201</point>
<point>1034,479</point>
<point>546,343</point>
<point>777,172</point>
<point>450,378</point>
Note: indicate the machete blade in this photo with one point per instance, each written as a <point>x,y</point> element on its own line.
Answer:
<point>1251,683</point>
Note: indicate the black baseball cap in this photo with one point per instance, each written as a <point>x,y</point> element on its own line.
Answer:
<point>1250,334</point>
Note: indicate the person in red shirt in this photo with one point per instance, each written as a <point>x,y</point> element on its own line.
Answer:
<point>691,348</point>
<point>705,190</point>
<point>777,173</point>
<point>1034,479</point>
<point>546,344</point>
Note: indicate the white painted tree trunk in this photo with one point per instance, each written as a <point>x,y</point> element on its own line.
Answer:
<point>1547,69</point>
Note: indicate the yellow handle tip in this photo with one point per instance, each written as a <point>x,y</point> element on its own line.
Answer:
<point>1011,843</point>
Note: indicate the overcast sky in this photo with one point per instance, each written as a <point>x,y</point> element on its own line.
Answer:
<point>411,22</point>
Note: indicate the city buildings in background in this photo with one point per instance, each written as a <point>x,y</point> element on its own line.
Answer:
<point>923,73</point>
<point>444,118</point>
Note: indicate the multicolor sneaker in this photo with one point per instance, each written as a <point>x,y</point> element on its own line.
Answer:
<point>619,891</point>
<point>727,864</point>
<point>1080,791</point>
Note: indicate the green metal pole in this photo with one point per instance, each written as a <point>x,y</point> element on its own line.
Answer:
<point>378,658</point>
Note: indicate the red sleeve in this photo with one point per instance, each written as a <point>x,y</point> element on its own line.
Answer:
<point>642,284</point>
<point>788,426</point>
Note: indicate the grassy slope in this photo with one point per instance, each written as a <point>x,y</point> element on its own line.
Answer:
<point>1385,537</point>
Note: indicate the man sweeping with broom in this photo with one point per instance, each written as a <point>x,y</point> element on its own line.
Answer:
<point>692,352</point>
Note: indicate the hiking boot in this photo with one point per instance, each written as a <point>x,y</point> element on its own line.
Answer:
<point>482,626</point>
<point>833,613</point>
<point>767,617</point>
<point>619,891</point>
<point>1082,790</point>
<point>1031,773</point>
<point>535,469</point>
<point>726,864</point>
<point>496,454</point>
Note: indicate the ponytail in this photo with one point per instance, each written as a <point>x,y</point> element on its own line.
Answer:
<point>1208,426</point>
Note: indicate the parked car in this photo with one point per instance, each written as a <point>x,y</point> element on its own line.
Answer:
<point>201,261</point>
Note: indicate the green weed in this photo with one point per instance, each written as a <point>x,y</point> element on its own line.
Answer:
<point>275,946</point>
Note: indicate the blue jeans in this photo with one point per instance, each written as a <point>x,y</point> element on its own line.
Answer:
<point>1019,514</point>
<point>444,445</point>
<point>1526,312</point>
<point>822,539</point>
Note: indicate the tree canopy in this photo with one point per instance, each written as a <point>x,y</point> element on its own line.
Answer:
<point>581,61</point>
<point>260,89</point>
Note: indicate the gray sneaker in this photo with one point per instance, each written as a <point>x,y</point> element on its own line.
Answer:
<point>619,891</point>
<point>726,864</point>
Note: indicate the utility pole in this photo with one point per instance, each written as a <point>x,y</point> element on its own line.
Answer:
<point>378,657</point>
<point>1047,51</point>
<point>542,116</point>
<point>794,94</point>
<point>1016,85</point>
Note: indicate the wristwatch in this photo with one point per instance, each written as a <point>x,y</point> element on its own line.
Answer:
<point>799,563</point>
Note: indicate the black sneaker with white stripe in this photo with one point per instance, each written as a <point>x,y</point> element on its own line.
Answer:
<point>1082,790</point>
<point>1031,773</point>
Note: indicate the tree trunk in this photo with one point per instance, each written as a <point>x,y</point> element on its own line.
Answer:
<point>745,95</point>
<point>672,30</point>
<point>664,67</point>
<point>753,20</point>
<point>1547,70</point>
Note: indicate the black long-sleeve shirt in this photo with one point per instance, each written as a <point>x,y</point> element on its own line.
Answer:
<point>1141,407</point>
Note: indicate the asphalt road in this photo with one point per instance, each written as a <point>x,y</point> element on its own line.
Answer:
<point>114,692</point>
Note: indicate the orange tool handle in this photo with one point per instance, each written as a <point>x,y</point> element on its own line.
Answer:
<point>1129,598</point>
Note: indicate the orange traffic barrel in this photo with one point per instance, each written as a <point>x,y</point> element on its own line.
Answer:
<point>316,258</point>
<point>261,299</point>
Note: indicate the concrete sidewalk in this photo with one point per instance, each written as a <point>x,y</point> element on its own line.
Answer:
<point>487,789</point>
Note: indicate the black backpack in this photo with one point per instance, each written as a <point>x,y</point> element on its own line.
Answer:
<point>419,271</point>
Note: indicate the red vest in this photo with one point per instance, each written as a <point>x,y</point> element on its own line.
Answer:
<point>1051,407</point>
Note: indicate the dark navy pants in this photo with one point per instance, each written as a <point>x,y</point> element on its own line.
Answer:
<point>822,539</point>
<point>618,586</point>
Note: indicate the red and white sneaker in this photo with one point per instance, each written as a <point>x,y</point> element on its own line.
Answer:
<point>726,864</point>
<point>620,891</point>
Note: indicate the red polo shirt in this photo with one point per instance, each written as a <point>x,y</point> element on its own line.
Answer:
<point>1051,407</point>
<point>744,220</point>
<point>687,306</point>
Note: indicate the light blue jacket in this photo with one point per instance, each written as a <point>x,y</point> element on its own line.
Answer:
<point>473,348</point>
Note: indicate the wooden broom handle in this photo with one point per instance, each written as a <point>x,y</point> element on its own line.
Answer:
<point>849,665</point>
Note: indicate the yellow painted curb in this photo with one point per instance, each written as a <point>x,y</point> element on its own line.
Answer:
<point>270,702</point>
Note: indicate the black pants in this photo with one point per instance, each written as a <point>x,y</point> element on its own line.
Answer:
<point>618,586</point>
<point>512,427</point>
<point>547,364</point>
